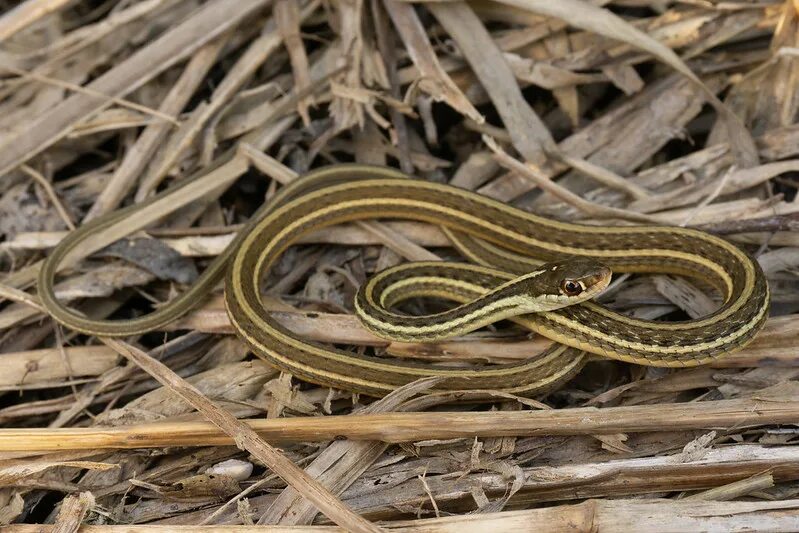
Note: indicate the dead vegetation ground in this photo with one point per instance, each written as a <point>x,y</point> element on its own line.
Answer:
<point>615,111</point>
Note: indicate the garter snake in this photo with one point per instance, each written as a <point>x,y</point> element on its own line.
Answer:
<point>503,240</point>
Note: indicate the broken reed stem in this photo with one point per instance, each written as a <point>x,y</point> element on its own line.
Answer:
<point>409,427</point>
<point>591,515</point>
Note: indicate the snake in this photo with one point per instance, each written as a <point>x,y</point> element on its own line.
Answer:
<point>536,271</point>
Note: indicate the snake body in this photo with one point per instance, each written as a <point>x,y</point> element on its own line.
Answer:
<point>504,240</point>
<point>488,295</point>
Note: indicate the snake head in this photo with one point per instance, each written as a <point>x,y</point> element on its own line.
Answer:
<point>580,277</point>
<point>563,283</point>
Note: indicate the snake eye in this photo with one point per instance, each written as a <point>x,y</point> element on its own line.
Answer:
<point>570,287</point>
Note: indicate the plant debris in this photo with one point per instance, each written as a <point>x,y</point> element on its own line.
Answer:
<point>598,111</point>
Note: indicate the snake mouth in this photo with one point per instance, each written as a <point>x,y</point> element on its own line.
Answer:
<point>597,283</point>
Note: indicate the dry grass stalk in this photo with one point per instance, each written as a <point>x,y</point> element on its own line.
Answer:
<point>613,515</point>
<point>409,427</point>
